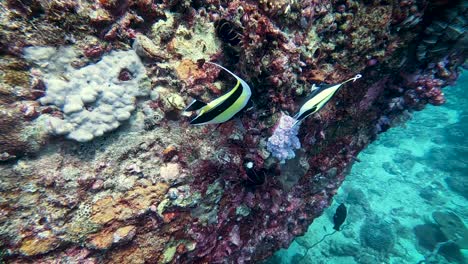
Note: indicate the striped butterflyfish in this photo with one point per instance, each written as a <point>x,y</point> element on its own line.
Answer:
<point>224,107</point>
<point>318,98</point>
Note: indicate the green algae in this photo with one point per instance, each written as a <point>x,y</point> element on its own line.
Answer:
<point>207,211</point>
<point>168,254</point>
<point>243,210</point>
<point>184,199</point>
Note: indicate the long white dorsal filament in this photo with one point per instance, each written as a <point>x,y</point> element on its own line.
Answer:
<point>352,79</point>
<point>235,76</point>
<point>243,83</point>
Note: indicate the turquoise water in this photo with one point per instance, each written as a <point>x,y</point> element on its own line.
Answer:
<point>406,197</point>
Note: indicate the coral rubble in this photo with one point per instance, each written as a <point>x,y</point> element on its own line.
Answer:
<point>143,186</point>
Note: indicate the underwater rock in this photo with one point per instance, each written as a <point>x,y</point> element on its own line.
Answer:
<point>445,31</point>
<point>452,227</point>
<point>21,130</point>
<point>431,237</point>
<point>18,135</point>
<point>432,192</point>
<point>197,42</point>
<point>367,258</point>
<point>141,184</point>
<point>145,47</point>
<point>358,197</point>
<point>170,101</point>
<point>35,246</point>
<point>292,171</point>
<point>458,184</point>
<point>170,171</point>
<point>105,239</point>
<point>344,249</point>
<point>377,234</point>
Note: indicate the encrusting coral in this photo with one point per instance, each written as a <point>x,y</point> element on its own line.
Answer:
<point>93,99</point>
<point>144,186</point>
<point>284,140</point>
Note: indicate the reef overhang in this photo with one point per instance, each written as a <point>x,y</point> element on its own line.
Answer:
<point>154,189</point>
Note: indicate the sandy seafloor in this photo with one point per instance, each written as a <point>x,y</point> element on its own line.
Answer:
<point>402,176</point>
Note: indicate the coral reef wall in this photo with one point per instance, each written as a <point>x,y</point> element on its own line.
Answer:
<point>158,190</point>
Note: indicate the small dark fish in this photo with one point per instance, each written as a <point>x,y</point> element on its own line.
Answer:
<point>339,217</point>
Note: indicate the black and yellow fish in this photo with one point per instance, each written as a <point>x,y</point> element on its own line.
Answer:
<point>224,107</point>
<point>319,97</point>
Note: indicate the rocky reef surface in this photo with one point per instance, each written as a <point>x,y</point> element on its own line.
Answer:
<point>144,186</point>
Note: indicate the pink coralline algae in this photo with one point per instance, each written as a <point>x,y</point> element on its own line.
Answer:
<point>158,190</point>
<point>284,140</point>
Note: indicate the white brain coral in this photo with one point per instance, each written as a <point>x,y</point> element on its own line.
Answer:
<point>93,99</point>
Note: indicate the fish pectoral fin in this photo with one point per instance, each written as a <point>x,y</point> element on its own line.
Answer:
<point>195,105</point>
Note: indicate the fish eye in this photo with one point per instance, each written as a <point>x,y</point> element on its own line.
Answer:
<point>249,165</point>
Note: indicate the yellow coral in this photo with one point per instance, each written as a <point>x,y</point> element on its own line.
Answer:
<point>38,245</point>
<point>131,204</point>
